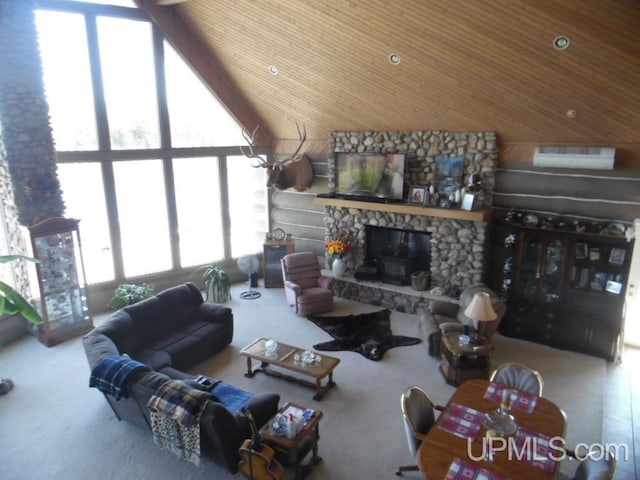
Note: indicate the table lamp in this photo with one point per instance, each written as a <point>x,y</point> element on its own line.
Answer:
<point>480,310</point>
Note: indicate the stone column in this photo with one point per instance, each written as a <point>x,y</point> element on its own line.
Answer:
<point>28,145</point>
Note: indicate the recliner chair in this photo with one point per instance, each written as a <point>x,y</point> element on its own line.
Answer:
<point>308,292</point>
<point>443,317</point>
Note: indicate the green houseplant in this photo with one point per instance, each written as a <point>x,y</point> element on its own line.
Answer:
<point>12,303</point>
<point>130,293</point>
<point>216,283</point>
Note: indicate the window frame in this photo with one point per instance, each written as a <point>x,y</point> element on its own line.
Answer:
<point>105,155</point>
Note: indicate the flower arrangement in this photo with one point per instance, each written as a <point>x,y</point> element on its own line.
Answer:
<point>339,247</point>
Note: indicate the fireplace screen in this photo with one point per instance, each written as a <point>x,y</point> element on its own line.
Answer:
<point>397,253</point>
<point>395,270</point>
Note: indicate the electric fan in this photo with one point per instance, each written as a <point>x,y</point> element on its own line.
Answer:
<point>249,264</point>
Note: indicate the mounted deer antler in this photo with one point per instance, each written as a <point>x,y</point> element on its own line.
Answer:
<point>282,174</point>
<point>263,163</point>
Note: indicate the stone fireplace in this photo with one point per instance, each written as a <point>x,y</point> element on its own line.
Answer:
<point>457,239</point>
<point>457,254</point>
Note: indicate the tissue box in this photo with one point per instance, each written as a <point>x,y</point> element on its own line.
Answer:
<point>296,420</point>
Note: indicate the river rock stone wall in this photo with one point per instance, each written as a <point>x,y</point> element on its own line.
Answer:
<point>458,247</point>
<point>24,117</point>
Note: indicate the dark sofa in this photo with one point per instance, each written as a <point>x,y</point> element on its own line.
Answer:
<point>169,333</point>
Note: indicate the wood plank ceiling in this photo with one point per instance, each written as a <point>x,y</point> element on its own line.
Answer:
<point>465,65</point>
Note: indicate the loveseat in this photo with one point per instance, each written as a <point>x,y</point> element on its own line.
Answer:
<point>443,316</point>
<point>169,333</point>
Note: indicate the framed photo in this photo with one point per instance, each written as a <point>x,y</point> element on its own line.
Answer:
<point>613,287</point>
<point>417,195</point>
<point>468,201</point>
<point>581,251</point>
<point>448,175</point>
<point>617,256</point>
<point>594,254</point>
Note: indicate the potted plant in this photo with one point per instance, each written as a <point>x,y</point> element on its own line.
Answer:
<point>13,303</point>
<point>216,283</point>
<point>130,293</point>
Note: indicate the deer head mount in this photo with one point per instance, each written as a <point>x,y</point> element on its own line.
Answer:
<point>293,171</point>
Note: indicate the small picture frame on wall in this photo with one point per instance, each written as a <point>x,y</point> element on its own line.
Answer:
<point>468,201</point>
<point>417,195</point>
<point>617,256</point>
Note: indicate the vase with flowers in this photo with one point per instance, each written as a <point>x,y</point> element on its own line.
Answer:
<point>338,249</point>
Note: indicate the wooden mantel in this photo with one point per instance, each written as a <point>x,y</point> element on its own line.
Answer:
<point>480,215</point>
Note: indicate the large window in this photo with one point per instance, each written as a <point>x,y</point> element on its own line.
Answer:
<point>126,59</point>
<point>67,78</point>
<point>149,165</point>
<point>199,210</point>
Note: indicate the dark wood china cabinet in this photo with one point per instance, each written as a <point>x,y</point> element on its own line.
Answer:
<point>563,288</point>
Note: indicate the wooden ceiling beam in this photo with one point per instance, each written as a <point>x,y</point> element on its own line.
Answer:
<point>205,64</point>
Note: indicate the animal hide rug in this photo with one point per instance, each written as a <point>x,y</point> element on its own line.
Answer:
<point>368,334</point>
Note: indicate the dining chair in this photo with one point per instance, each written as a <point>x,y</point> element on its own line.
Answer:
<point>518,376</point>
<point>418,412</point>
<point>597,466</point>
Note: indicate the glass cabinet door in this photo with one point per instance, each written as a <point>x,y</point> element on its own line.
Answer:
<point>552,272</point>
<point>530,268</point>
<point>61,282</point>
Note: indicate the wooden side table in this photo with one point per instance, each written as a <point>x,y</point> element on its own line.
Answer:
<point>294,450</point>
<point>464,362</point>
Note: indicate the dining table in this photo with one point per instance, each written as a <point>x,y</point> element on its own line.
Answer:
<point>457,445</point>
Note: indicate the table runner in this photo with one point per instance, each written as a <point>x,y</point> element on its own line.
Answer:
<point>524,401</point>
<point>463,470</point>
<point>461,421</point>
<point>536,451</point>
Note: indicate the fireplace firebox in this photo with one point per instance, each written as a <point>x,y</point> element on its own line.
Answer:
<point>396,253</point>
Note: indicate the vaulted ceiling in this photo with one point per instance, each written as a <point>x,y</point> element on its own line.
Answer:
<point>464,65</point>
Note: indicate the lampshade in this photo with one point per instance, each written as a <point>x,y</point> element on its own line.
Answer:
<point>480,308</point>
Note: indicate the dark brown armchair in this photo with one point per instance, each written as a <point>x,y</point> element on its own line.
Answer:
<point>308,292</point>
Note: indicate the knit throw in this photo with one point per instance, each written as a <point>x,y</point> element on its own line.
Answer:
<point>175,411</point>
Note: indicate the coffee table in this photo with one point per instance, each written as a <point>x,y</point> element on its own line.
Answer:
<point>295,449</point>
<point>285,358</point>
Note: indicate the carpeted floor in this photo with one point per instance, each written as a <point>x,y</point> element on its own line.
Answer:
<point>53,426</point>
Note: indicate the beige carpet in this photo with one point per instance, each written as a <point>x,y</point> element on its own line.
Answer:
<point>53,426</point>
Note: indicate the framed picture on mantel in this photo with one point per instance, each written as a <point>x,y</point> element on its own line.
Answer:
<point>468,201</point>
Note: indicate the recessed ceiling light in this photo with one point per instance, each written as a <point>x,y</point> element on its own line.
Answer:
<point>273,70</point>
<point>571,113</point>
<point>395,59</point>
<point>561,42</point>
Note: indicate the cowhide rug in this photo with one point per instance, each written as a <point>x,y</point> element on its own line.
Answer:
<point>368,334</point>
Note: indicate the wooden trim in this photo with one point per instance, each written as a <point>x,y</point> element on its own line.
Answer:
<point>454,213</point>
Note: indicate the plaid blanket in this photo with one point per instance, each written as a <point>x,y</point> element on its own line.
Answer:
<point>178,401</point>
<point>112,373</point>
<point>175,411</point>
<point>231,397</point>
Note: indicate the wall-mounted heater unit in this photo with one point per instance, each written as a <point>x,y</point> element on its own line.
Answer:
<point>599,158</point>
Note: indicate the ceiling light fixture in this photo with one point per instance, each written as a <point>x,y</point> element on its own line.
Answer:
<point>395,59</point>
<point>561,42</point>
<point>273,70</point>
<point>571,113</point>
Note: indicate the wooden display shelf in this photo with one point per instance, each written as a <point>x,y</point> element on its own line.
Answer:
<point>481,215</point>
